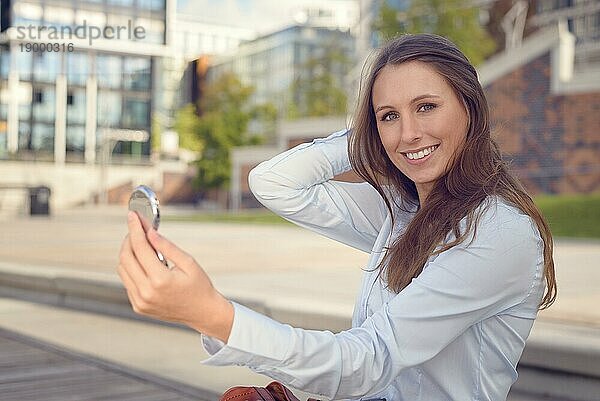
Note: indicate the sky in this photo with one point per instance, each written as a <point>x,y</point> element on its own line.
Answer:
<point>262,15</point>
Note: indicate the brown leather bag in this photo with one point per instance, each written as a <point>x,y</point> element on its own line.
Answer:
<point>275,391</point>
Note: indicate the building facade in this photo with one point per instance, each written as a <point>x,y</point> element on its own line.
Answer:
<point>272,63</point>
<point>191,37</point>
<point>71,70</point>
<point>78,89</point>
<point>546,113</point>
<point>583,22</point>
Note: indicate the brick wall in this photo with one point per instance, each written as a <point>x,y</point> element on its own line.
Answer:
<point>552,140</point>
<point>177,188</point>
<point>248,199</point>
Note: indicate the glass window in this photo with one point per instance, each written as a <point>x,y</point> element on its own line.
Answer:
<point>42,137</point>
<point>46,66</point>
<point>3,102</point>
<point>90,18</point>
<point>25,10</point>
<point>77,68</point>
<point>155,5</point>
<point>136,73</point>
<point>76,106</point>
<point>126,3</point>
<point>23,21</point>
<point>109,109</point>
<point>75,138</point>
<point>4,62</point>
<point>108,71</point>
<point>154,37</point>
<point>44,104</point>
<point>136,113</point>
<point>154,30</point>
<point>24,135</point>
<point>24,111</point>
<point>24,65</point>
<point>119,20</point>
<point>58,16</point>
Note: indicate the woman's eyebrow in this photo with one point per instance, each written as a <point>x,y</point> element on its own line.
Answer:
<point>414,100</point>
<point>382,107</point>
<point>425,96</point>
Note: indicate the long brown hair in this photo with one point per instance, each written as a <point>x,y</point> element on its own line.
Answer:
<point>475,173</point>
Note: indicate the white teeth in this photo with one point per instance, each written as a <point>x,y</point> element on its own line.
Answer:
<point>422,153</point>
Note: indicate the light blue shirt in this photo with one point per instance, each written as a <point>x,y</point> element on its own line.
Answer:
<point>456,332</point>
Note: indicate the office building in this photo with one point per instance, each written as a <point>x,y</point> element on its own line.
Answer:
<point>78,87</point>
<point>583,21</point>
<point>62,85</point>
<point>272,62</point>
<point>191,37</point>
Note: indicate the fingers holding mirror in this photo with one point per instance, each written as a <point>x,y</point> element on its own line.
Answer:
<point>144,202</point>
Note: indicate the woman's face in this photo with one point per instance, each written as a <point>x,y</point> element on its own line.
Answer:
<point>421,121</point>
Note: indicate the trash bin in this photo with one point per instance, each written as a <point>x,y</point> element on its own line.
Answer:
<point>39,200</point>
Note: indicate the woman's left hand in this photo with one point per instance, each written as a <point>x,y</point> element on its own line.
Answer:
<point>181,294</point>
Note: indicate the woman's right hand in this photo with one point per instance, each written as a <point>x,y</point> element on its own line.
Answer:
<point>183,294</point>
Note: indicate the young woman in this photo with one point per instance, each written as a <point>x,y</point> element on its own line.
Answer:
<point>461,259</point>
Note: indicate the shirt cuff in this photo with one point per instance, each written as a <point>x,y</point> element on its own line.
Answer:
<point>335,149</point>
<point>255,341</point>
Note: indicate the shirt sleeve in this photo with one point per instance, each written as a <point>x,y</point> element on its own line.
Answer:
<point>495,273</point>
<point>297,185</point>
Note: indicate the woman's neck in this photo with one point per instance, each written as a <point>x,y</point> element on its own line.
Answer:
<point>423,190</point>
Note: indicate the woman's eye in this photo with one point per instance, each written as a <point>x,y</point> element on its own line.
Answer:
<point>389,117</point>
<point>427,107</point>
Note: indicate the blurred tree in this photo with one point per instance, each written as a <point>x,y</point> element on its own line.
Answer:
<point>225,115</point>
<point>457,20</point>
<point>316,90</point>
<point>186,126</point>
<point>264,117</point>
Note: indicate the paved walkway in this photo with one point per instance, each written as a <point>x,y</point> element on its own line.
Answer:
<point>33,370</point>
<point>295,275</point>
<point>295,266</point>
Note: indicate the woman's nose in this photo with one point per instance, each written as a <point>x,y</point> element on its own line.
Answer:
<point>409,131</point>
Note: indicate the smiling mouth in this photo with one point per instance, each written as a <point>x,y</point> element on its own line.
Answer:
<point>420,154</point>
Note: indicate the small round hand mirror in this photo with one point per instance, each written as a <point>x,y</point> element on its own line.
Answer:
<point>144,202</point>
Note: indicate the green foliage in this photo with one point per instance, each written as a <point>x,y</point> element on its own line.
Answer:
<point>457,20</point>
<point>315,92</point>
<point>156,132</point>
<point>386,24</point>
<point>225,114</point>
<point>266,117</point>
<point>572,215</point>
<point>186,126</point>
